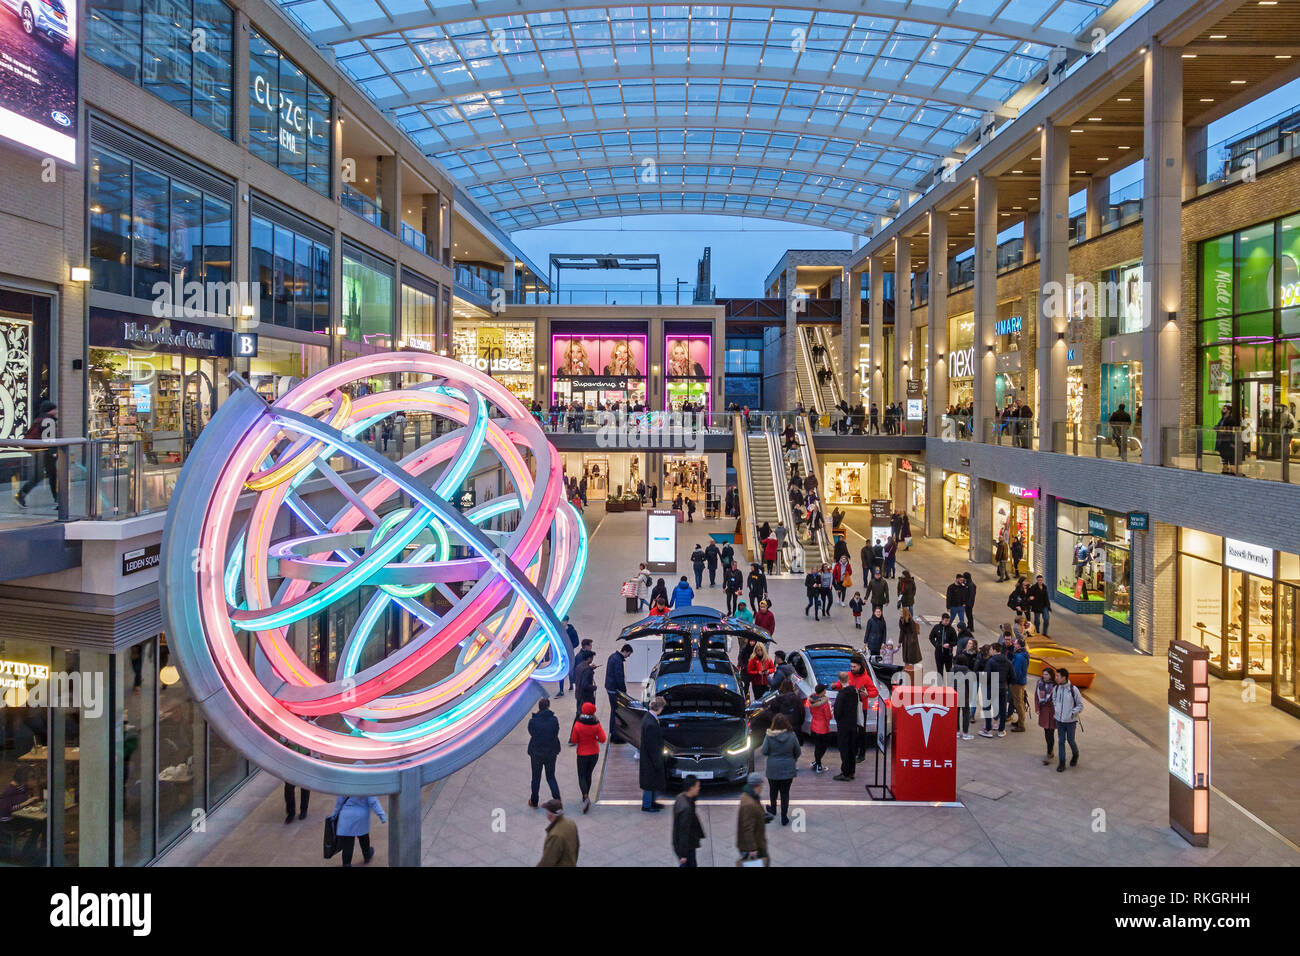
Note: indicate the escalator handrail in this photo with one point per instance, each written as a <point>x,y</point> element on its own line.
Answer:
<point>810,467</point>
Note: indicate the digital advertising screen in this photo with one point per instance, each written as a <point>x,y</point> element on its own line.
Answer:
<point>587,355</point>
<point>661,541</point>
<point>688,356</point>
<point>38,76</point>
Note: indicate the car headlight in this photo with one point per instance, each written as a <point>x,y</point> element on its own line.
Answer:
<point>667,752</point>
<point>743,748</point>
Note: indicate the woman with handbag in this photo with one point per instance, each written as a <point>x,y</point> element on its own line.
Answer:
<point>352,823</point>
<point>781,748</point>
<point>909,640</point>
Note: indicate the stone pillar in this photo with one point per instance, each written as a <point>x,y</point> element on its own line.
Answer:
<point>986,297</point>
<point>876,333</point>
<point>851,335</point>
<point>934,501</point>
<point>1031,240</point>
<point>1162,246</point>
<point>981,528</point>
<point>1053,266</point>
<point>902,359</point>
<point>1097,202</point>
<point>1153,590</point>
<point>936,399</point>
<point>1194,143</point>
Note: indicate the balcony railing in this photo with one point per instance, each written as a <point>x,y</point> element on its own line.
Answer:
<point>415,239</point>
<point>357,202</point>
<point>1117,442</point>
<point>1266,455</point>
<point>1011,431</point>
<point>472,281</point>
<point>646,429</point>
<point>1124,207</point>
<point>955,427</point>
<point>1277,138</point>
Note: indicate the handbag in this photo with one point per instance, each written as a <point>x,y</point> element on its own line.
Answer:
<point>747,861</point>
<point>331,836</point>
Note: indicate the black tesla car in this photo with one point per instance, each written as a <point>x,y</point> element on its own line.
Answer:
<point>705,721</point>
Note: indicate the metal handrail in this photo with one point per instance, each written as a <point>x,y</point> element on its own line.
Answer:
<point>745,487</point>
<point>810,467</point>
<point>806,355</point>
<point>784,511</point>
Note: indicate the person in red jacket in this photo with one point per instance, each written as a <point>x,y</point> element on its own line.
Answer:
<point>758,667</point>
<point>769,552</point>
<point>764,618</point>
<point>860,681</point>
<point>819,725</point>
<point>588,734</point>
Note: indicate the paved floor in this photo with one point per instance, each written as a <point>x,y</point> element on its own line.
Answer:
<point>1256,745</point>
<point>1110,810</point>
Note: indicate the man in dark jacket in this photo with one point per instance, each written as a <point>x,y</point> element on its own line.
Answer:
<point>997,686</point>
<point>1040,604</point>
<point>846,727</point>
<point>878,589</point>
<point>757,581</point>
<point>1017,555</point>
<point>653,768</point>
<point>728,555</point>
<point>584,673</point>
<point>697,563</point>
<point>970,599</point>
<point>1018,601</point>
<point>615,684</point>
<point>955,601</point>
<point>711,555</point>
<point>732,585</point>
<point>868,561</point>
<point>572,633</point>
<point>943,637</point>
<point>543,748</point>
<point>688,832</point>
<point>812,587</point>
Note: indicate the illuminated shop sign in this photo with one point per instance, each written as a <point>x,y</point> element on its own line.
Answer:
<point>1009,326</point>
<point>294,121</point>
<point>1290,294</point>
<point>961,364</point>
<point>1018,492</point>
<point>17,674</point>
<point>1250,558</point>
<point>503,364</point>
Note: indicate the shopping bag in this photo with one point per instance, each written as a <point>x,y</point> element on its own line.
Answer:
<point>629,589</point>
<point>1078,590</point>
<point>331,837</point>
<point>744,861</point>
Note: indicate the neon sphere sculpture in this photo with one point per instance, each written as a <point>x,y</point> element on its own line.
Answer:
<point>282,512</point>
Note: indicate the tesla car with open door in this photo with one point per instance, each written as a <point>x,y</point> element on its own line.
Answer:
<point>705,720</point>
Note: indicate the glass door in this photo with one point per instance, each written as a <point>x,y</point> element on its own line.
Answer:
<point>596,471</point>
<point>1285,656</point>
<point>1248,651</point>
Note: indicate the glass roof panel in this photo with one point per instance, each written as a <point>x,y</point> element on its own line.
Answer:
<point>742,90</point>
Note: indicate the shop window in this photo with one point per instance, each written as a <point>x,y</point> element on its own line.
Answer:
<point>24,759</point>
<point>150,214</point>
<point>367,308</point>
<point>1255,269</point>
<point>288,116</point>
<point>179,50</point>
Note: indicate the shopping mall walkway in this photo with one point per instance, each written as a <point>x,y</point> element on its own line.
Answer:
<point>1256,760</point>
<point>1110,810</point>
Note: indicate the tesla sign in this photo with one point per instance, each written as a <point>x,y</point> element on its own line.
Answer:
<point>924,761</point>
<point>38,76</point>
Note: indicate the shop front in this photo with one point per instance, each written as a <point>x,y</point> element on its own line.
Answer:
<point>280,363</point>
<point>1238,601</point>
<point>1094,573</point>
<point>25,334</point>
<point>92,784</point>
<point>156,382</point>
<point>608,474</point>
<point>688,366</point>
<point>688,476</point>
<point>598,368</point>
<point>845,482</point>
<point>956,508</point>
<point>961,360</point>
<point>505,350</point>
<point>1013,519</point>
<point>912,475</point>
<point>1249,341</point>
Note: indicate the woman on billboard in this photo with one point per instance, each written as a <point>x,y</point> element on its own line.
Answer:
<point>575,359</point>
<point>679,361</point>
<point>621,362</point>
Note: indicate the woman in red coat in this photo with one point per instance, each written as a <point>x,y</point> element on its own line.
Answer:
<point>769,552</point>
<point>758,667</point>
<point>588,735</point>
<point>765,619</point>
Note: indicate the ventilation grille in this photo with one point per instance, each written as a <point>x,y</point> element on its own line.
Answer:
<point>138,149</point>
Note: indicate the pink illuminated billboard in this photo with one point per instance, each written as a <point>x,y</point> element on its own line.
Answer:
<point>586,355</point>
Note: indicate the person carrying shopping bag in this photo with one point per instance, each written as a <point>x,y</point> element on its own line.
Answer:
<point>352,824</point>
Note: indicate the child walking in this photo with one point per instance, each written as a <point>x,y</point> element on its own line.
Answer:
<point>855,605</point>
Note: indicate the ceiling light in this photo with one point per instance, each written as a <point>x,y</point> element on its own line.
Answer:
<point>1076,131</point>
<point>1189,56</point>
<point>1094,119</point>
<point>1103,159</point>
<point>1238,83</point>
<point>1218,36</point>
<point>1282,56</point>
<point>1207,99</point>
<point>1123,147</point>
<point>1124,99</point>
<point>1016,172</point>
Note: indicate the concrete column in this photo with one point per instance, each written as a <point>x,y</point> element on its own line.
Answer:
<point>1097,200</point>
<point>404,818</point>
<point>876,332</point>
<point>1162,246</point>
<point>655,387</point>
<point>902,359</point>
<point>936,399</point>
<point>1194,142</point>
<point>986,297</point>
<point>1031,239</point>
<point>793,358</point>
<point>851,335</point>
<point>1154,592</point>
<point>934,501</point>
<point>1053,265</point>
<point>981,532</point>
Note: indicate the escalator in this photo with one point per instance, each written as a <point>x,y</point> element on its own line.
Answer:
<point>762,476</point>
<point>823,396</point>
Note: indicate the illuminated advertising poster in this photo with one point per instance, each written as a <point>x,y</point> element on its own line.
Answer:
<point>688,360</point>
<point>1182,733</point>
<point>38,76</point>
<point>661,541</point>
<point>586,356</point>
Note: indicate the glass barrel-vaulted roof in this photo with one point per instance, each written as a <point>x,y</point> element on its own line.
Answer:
<point>822,113</point>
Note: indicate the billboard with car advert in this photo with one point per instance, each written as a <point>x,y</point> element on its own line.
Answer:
<point>38,76</point>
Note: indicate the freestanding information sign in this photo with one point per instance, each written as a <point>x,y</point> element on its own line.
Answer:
<point>661,541</point>
<point>924,760</point>
<point>881,511</point>
<point>1189,742</point>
